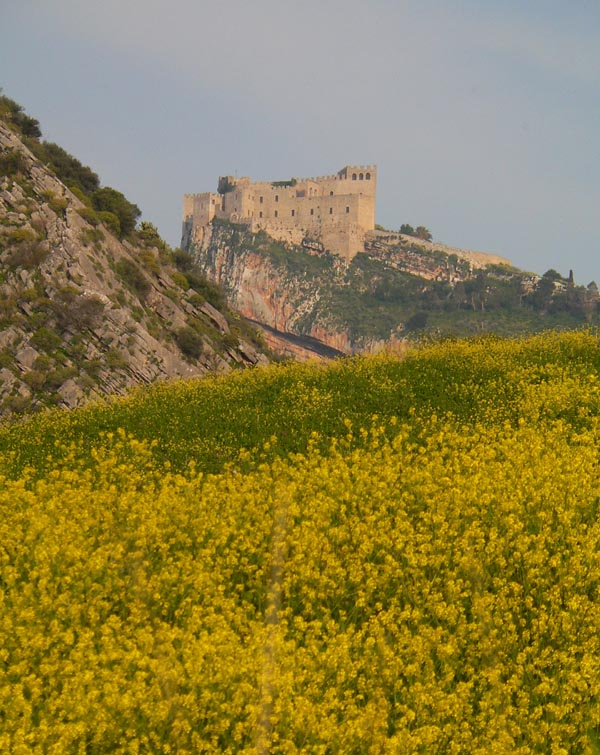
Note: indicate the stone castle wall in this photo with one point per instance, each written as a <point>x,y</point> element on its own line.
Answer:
<point>337,210</point>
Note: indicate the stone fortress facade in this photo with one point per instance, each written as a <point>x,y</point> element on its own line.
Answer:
<point>334,211</point>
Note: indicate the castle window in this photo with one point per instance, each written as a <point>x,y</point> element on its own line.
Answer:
<point>277,197</point>
<point>368,176</point>
<point>293,213</point>
<point>276,213</point>
<point>331,210</point>
<point>261,200</point>
<point>347,209</point>
<point>330,193</point>
<point>360,176</point>
<point>312,212</point>
<point>354,176</point>
<point>260,214</point>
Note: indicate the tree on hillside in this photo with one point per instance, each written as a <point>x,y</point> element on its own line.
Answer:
<point>107,199</point>
<point>545,291</point>
<point>422,233</point>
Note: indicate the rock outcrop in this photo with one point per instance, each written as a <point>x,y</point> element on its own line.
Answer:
<point>295,290</point>
<point>84,314</point>
<point>398,288</point>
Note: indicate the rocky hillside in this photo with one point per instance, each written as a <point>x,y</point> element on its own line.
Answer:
<point>400,288</point>
<point>84,313</point>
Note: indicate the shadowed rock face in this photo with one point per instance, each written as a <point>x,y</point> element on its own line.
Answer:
<point>83,314</point>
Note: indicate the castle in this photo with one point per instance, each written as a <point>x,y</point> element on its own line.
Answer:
<point>335,211</point>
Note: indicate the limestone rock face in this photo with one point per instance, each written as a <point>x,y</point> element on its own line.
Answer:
<point>83,313</point>
<point>268,295</point>
<point>302,297</point>
<point>311,303</point>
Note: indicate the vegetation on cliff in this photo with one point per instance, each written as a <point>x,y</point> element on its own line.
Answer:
<point>398,288</point>
<point>391,556</point>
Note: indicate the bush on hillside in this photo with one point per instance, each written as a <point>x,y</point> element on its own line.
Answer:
<point>67,168</point>
<point>190,342</point>
<point>133,277</point>
<point>108,199</point>
<point>111,221</point>
<point>12,162</point>
<point>15,114</point>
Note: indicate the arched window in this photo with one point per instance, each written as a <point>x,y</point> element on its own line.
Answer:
<point>293,213</point>
<point>276,213</point>
<point>347,210</point>
<point>368,176</point>
<point>354,176</point>
<point>360,176</point>
<point>331,210</point>
<point>330,193</point>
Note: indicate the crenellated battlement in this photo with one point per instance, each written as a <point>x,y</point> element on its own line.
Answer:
<point>338,209</point>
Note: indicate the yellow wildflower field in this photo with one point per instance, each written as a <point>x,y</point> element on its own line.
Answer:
<point>426,581</point>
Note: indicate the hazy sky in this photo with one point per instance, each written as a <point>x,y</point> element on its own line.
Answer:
<point>483,117</point>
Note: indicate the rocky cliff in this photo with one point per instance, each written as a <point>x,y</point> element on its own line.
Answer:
<point>398,288</point>
<point>84,314</point>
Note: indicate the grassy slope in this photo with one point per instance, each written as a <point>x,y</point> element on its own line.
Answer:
<point>209,421</point>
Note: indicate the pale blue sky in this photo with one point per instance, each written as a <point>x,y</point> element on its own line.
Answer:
<point>483,117</point>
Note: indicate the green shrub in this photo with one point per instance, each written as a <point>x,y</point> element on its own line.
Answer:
<point>92,236</point>
<point>75,310</point>
<point>111,221</point>
<point>107,199</point>
<point>86,382</point>
<point>183,260</point>
<point>231,341</point>
<point>148,235</point>
<point>27,255</point>
<point>58,376</point>
<point>45,339</point>
<point>34,379</point>
<point>89,215</point>
<point>189,342</point>
<point>149,261</point>
<point>114,359</point>
<point>57,204</point>
<point>6,359</point>
<point>81,196</point>
<point>12,162</point>
<point>180,280</point>
<point>43,363</point>
<point>133,277</point>
<point>67,168</point>
<point>210,291</point>
<point>19,235</point>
